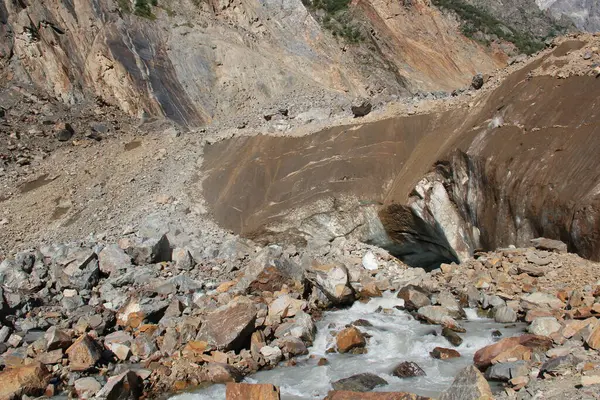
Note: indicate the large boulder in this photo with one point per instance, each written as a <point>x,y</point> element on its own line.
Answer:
<point>147,251</point>
<point>230,326</point>
<point>83,354</point>
<point>517,347</point>
<point>408,369</point>
<point>30,380</point>
<point>414,297</point>
<point>438,315</point>
<point>247,391</point>
<point>222,373</point>
<point>507,371</point>
<point>349,339</point>
<point>505,315</point>
<point>442,353</point>
<point>469,384</point>
<point>268,271</point>
<point>334,282</point>
<point>544,326</point>
<point>540,299</point>
<point>361,107</point>
<point>359,383</point>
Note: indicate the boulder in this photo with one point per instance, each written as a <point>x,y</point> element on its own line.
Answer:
<point>268,271</point>
<point>593,339</point>
<point>27,380</point>
<point>127,385</point>
<point>438,315</point>
<point>507,371</point>
<point>286,306</point>
<point>505,315</point>
<point>230,326</point>
<point>408,369</point>
<point>57,339</point>
<point>183,259</point>
<point>79,271</point>
<point>483,357</point>
<point>147,251</point>
<point>347,395</point>
<point>222,373</point>
<point>139,310</point>
<point>350,338</point>
<point>247,391</point>
<point>83,354</point>
<point>302,327</point>
<point>112,259</point>
<point>361,107</point>
<point>549,245</point>
<point>414,297</point>
<point>469,384</point>
<point>359,383</point>
<point>544,326</point>
<point>87,387</point>
<point>63,131</point>
<point>452,336</point>
<point>51,357</point>
<point>442,353</point>
<point>334,282</point>
<point>291,345</point>
<point>541,299</point>
<point>477,81</point>
<point>272,354</point>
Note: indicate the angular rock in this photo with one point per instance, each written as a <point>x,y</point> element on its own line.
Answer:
<point>452,336</point>
<point>549,245</point>
<point>334,282</point>
<point>469,384</point>
<point>347,395</point>
<point>183,259</point>
<point>83,354</point>
<point>590,380</point>
<point>408,369</point>
<point>222,373</point>
<point>437,315</point>
<point>285,306</point>
<point>29,380</point>
<point>230,326</point>
<point>442,353</point>
<point>148,251</point>
<point>359,383</point>
<point>483,357</point>
<point>272,354</point>
<point>51,357</point>
<point>544,326</point>
<point>505,315</point>
<point>247,391</point>
<point>593,339</point>
<point>291,345</point>
<point>57,339</point>
<point>414,297</point>
<point>112,259</point>
<point>477,81</point>
<point>125,386</point>
<point>140,310</point>
<point>507,371</point>
<point>302,327</point>
<point>350,338</point>
<point>87,387</point>
<point>64,131</point>
<point>541,299</point>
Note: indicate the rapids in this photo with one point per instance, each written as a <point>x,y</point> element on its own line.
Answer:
<point>396,337</point>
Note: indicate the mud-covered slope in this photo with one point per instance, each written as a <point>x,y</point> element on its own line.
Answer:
<point>196,61</point>
<point>520,163</point>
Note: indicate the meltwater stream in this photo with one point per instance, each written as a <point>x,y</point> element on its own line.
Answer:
<point>395,337</point>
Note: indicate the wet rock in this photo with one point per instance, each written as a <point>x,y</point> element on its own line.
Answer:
<point>544,326</point>
<point>408,369</point>
<point>83,354</point>
<point>359,383</point>
<point>112,258</point>
<point>477,81</point>
<point>361,322</point>
<point>507,371</point>
<point>350,338</point>
<point>442,353</point>
<point>183,259</point>
<point>593,339</point>
<point>541,299</point>
<point>285,306</point>
<point>514,347</point>
<point>230,326</point>
<point>302,327</point>
<point>222,373</point>
<point>247,391</point>
<point>148,251</point>
<point>469,384</point>
<point>452,336</point>
<point>549,245</point>
<point>125,386</point>
<point>334,282</point>
<point>87,387</point>
<point>28,380</point>
<point>361,107</point>
<point>272,354</point>
<point>63,131</point>
<point>414,297</point>
<point>505,315</point>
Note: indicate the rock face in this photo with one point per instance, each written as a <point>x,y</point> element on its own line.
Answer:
<point>230,326</point>
<point>469,384</point>
<point>246,391</point>
<point>30,380</point>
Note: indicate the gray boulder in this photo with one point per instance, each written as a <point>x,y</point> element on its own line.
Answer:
<point>359,383</point>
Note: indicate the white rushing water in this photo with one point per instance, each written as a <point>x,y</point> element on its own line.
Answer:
<point>396,337</point>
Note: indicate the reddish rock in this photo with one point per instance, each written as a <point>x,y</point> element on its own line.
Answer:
<point>442,353</point>
<point>350,338</point>
<point>30,380</point>
<point>247,391</point>
<point>346,395</point>
<point>83,354</point>
<point>222,373</point>
<point>483,357</point>
<point>593,340</point>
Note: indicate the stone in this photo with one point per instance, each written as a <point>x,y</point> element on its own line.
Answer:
<point>505,315</point>
<point>361,107</point>
<point>359,383</point>
<point>334,282</point>
<point>437,315</point>
<point>57,339</point>
<point>14,340</point>
<point>127,385</point>
<point>507,371</point>
<point>137,311</point>
<point>87,387</point>
<point>544,326</point>
<point>285,306</point>
<point>4,332</point>
<point>272,354</point>
<point>292,346</point>
<point>51,357</point>
<point>63,131</point>
<point>247,391</point>
<point>350,338</point>
<point>112,259</point>
<point>593,339</point>
<point>183,259</point>
<point>369,261</point>
<point>469,384</point>
<point>541,299</point>
<point>148,251</point>
<point>519,382</point>
<point>559,365</point>
<point>408,369</point>
<point>83,354</point>
<point>452,336</point>
<point>230,326</point>
<point>302,327</point>
<point>483,357</point>
<point>414,297</point>
<point>590,380</point>
<point>222,373</point>
<point>442,353</point>
<point>26,380</point>
<point>347,395</point>
<point>143,346</point>
<point>531,270</point>
<point>549,245</point>
<point>477,81</point>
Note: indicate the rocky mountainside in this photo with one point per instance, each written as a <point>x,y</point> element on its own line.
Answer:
<point>585,14</point>
<point>196,62</point>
